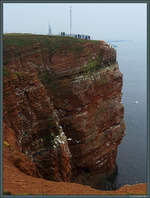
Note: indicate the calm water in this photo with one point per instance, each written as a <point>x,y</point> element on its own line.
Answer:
<point>131,160</point>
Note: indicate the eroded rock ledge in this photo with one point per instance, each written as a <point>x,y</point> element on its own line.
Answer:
<point>62,102</point>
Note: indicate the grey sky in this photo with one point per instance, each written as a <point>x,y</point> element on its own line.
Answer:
<point>101,21</point>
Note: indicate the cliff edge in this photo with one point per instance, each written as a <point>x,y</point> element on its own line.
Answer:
<point>62,107</point>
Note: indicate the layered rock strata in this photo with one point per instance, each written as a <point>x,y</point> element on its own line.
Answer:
<point>62,99</point>
<point>30,114</point>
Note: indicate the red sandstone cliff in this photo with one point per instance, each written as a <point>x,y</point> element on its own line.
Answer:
<point>62,103</point>
<point>20,174</point>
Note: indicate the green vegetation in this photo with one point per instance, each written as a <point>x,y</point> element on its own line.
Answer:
<point>5,71</point>
<point>18,40</point>
<point>100,57</point>
<point>6,143</point>
<point>53,84</point>
<point>65,44</point>
<point>8,146</point>
<point>48,80</point>
<point>45,78</point>
<point>93,65</point>
<point>61,44</point>
<point>19,74</point>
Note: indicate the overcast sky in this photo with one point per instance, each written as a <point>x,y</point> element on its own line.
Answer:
<point>101,21</point>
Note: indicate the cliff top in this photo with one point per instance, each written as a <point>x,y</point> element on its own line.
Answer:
<point>16,45</point>
<point>23,40</point>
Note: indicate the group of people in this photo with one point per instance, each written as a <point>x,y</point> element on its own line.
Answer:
<point>78,36</point>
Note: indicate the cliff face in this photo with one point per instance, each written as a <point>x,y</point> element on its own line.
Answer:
<point>29,112</point>
<point>62,100</point>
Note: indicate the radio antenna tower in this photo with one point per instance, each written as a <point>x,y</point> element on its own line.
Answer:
<point>49,30</point>
<point>70,20</point>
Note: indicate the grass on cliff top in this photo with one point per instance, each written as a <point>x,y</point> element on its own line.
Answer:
<point>23,40</point>
<point>53,43</point>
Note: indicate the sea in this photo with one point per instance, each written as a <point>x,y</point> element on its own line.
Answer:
<point>132,152</point>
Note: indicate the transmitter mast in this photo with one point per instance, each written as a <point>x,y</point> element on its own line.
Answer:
<point>49,30</point>
<point>70,20</point>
